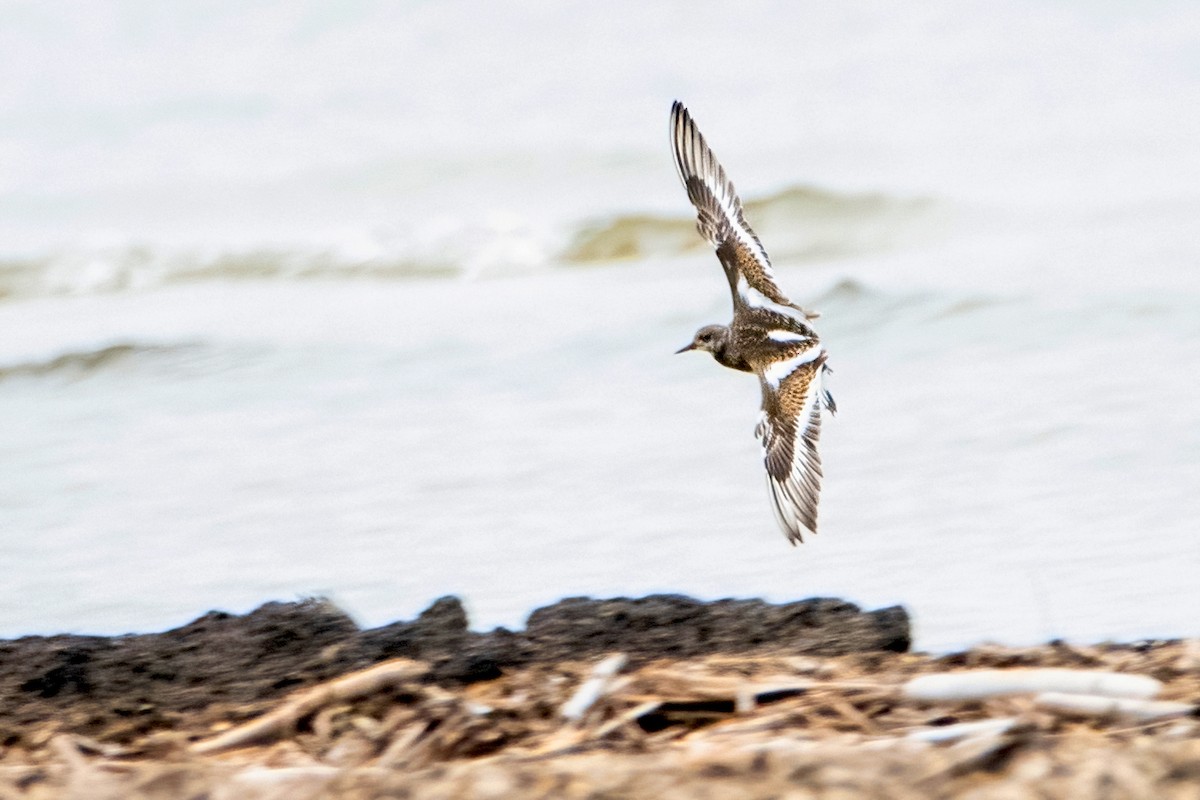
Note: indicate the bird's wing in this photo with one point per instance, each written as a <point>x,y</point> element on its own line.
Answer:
<point>789,428</point>
<point>721,221</point>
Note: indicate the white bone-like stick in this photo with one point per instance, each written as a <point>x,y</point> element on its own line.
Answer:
<point>982,684</point>
<point>1137,710</point>
<point>593,688</point>
<point>964,730</point>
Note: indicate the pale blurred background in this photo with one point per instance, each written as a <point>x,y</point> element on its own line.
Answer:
<point>377,300</point>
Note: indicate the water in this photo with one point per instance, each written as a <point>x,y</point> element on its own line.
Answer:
<point>378,301</point>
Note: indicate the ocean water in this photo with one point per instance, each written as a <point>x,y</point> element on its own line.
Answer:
<point>378,301</point>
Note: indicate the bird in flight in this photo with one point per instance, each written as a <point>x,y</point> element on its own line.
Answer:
<point>769,335</point>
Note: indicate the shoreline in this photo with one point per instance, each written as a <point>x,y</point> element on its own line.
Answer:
<point>662,696</point>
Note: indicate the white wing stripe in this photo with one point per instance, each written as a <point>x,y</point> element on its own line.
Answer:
<point>775,373</point>
<point>756,299</point>
<point>731,207</point>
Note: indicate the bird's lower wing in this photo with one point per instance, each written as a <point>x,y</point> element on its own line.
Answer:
<point>789,429</point>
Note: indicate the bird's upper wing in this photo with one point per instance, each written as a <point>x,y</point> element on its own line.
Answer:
<point>790,425</point>
<point>721,221</point>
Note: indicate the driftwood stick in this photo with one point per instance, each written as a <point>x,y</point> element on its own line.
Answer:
<point>625,718</point>
<point>593,688</point>
<point>985,683</point>
<point>964,730</point>
<point>1093,705</point>
<point>284,718</point>
<point>403,745</point>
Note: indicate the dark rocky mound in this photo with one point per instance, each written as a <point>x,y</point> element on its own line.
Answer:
<point>225,659</point>
<point>674,626</point>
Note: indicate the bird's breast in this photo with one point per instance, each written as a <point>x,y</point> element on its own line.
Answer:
<point>733,360</point>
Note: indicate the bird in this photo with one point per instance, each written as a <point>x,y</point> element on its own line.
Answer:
<point>769,335</point>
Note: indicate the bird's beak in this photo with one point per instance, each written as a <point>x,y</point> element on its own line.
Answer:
<point>685,348</point>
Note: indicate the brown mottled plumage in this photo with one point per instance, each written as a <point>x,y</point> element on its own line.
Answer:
<point>769,335</point>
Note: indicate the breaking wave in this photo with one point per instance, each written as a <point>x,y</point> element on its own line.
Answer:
<point>135,267</point>
<point>801,223</point>
<point>798,224</point>
<point>82,362</point>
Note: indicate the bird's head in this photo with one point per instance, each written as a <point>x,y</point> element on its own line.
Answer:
<point>711,338</point>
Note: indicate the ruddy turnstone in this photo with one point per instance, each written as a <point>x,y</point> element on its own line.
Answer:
<point>769,335</point>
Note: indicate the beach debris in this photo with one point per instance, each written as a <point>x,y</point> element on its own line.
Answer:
<point>309,701</point>
<point>623,719</point>
<point>1100,706</point>
<point>399,752</point>
<point>277,783</point>
<point>1189,659</point>
<point>593,688</point>
<point>982,684</point>
<point>979,752</point>
<point>568,729</point>
<point>946,734</point>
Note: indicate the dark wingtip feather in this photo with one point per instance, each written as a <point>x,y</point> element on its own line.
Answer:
<point>683,133</point>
